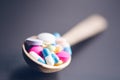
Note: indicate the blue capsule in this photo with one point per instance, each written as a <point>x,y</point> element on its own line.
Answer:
<point>41,60</point>
<point>57,35</point>
<point>55,57</point>
<point>68,49</point>
<point>46,52</point>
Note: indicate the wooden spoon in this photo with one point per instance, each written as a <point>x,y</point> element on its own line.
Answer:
<point>83,30</point>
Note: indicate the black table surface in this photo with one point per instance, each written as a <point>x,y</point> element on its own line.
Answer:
<point>97,58</point>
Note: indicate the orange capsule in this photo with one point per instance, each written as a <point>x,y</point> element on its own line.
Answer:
<point>58,49</point>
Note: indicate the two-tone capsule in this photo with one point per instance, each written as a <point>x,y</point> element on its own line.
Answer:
<point>55,57</point>
<point>37,57</point>
<point>48,57</point>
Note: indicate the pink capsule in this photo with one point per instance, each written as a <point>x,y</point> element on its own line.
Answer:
<point>37,49</point>
<point>64,56</point>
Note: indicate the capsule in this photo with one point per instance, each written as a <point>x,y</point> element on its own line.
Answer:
<point>55,57</point>
<point>48,57</point>
<point>59,63</point>
<point>58,49</point>
<point>68,49</point>
<point>37,57</point>
<point>57,35</point>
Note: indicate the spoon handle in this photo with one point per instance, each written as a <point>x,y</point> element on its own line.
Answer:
<point>86,29</point>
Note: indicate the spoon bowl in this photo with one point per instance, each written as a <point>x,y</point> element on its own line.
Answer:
<point>40,66</point>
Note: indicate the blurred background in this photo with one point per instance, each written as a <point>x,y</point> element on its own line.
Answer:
<point>97,58</point>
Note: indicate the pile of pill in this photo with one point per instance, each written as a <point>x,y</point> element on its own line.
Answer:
<point>47,48</point>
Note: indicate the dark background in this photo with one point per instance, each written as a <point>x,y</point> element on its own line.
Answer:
<point>97,58</point>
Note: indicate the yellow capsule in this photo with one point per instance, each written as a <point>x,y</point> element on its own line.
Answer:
<point>59,63</point>
<point>58,49</point>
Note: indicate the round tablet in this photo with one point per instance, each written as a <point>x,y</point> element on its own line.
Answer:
<point>47,37</point>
